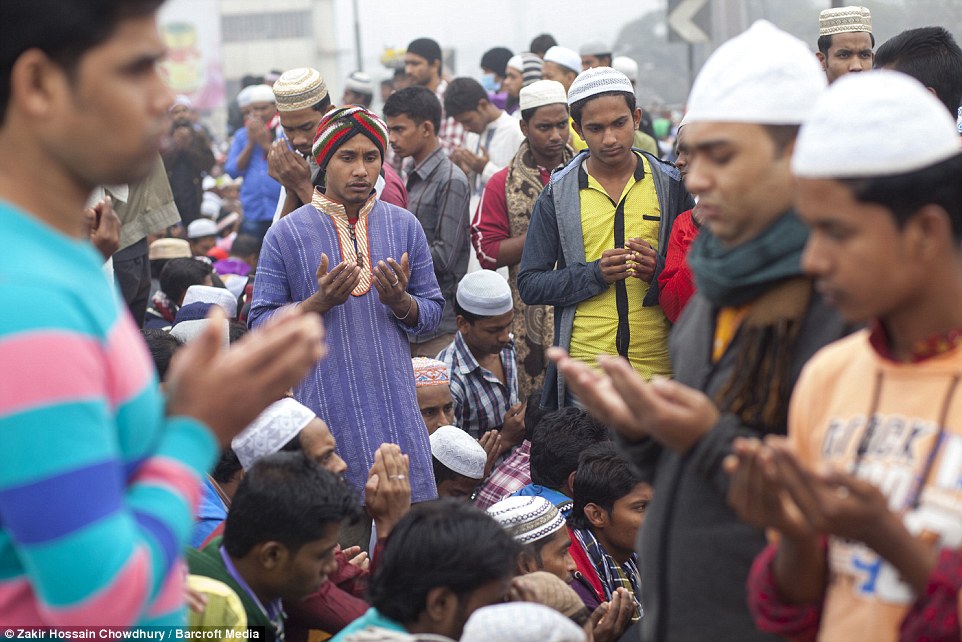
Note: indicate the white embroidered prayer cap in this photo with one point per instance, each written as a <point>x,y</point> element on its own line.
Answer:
<point>844,20</point>
<point>876,124</point>
<point>271,431</point>
<point>567,58</point>
<point>738,84</point>
<point>215,296</point>
<point>360,82</point>
<point>520,622</point>
<point>527,519</point>
<point>458,451</point>
<point>541,93</point>
<point>299,88</point>
<point>485,293</point>
<point>597,80</point>
<point>244,96</point>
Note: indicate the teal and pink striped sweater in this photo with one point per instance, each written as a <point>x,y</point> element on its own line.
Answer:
<point>97,486</point>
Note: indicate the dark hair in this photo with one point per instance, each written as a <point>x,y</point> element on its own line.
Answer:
<point>322,104</point>
<point>782,136</point>
<point>496,60</point>
<point>417,103</point>
<point>162,346</point>
<point>604,476</point>
<point>470,317</point>
<point>286,498</point>
<point>825,43</point>
<point>63,31</point>
<point>579,106</point>
<point>931,56</point>
<point>245,245</point>
<point>463,95</point>
<point>442,543</point>
<point>542,43</point>
<point>180,274</point>
<point>558,439</point>
<point>528,114</point>
<point>905,194</point>
<point>442,473</point>
<point>226,467</point>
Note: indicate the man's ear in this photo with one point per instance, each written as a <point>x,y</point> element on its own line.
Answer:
<point>527,563</point>
<point>926,231</point>
<point>270,554</point>
<point>524,127</point>
<point>37,83</point>
<point>571,481</point>
<point>596,515</point>
<point>636,117</point>
<point>821,59</point>
<point>440,603</point>
<point>463,324</point>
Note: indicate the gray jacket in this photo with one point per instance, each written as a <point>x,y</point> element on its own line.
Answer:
<point>695,554</point>
<point>553,267</point>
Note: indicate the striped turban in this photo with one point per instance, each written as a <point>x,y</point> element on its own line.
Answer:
<point>342,124</point>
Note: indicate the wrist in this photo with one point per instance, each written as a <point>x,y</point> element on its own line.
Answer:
<point>402,309</point>
<point>314,303</point>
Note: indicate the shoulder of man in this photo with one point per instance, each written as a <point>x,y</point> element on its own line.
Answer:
<point>659,165</point>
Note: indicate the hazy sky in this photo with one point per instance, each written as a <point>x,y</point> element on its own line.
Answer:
<point>471,28</point>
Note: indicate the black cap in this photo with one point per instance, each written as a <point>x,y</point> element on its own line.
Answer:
<point>428,49</point>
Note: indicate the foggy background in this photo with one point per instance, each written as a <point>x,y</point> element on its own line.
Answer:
<point>215,43</point>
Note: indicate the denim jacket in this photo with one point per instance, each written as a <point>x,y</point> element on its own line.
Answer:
<point>553,267</point>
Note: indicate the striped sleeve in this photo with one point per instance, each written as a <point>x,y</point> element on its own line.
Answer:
<point>88,536</point>
<point>272,289</point>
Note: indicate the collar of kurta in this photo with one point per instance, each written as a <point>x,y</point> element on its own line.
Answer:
<point>352,238</point>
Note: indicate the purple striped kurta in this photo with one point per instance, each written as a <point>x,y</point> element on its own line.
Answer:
<point>364,387</point>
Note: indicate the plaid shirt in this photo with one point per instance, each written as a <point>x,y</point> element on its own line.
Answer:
<point>612,574</point>
<point>452,133</point>
<point>480,399</point>
<point>512,475</point>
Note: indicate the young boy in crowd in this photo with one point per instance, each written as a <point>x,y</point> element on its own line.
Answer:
<point>481,360</point>
<point>459,462</point>
<point>610,499</point>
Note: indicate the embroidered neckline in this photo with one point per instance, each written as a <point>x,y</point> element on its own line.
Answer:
<point>352,239</point>
<point>933,346</point>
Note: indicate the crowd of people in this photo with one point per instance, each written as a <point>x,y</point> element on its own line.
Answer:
<point>500,362</point>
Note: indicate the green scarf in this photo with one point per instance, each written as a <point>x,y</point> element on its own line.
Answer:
<point>734,276</point>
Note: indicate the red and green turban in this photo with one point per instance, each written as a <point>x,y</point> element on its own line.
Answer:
<point>342,124</point>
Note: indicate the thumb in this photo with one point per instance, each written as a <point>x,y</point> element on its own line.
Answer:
<point>370,487</point>
<point>205,347</point>
<point>322,268</point>
<point>406,263</point>
<point>674,391</point>
<point>599,614</point>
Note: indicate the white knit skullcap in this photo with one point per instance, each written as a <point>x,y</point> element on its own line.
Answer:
<point>876,124</point>
<point>212,295</point>
<point>527,518</point>
<point>244,96</point>
<point>565,57</point>
<point>520,622</point>
<point>740,85</point>
<point>271,431</point>
<point>542,92</point>
<point>458,451</point>
<point>261,94</point>
<point>627,66</point>
<point>595,48</point>
<point>360,82</point>
<point>592,82</point>
<point>485,293</point>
